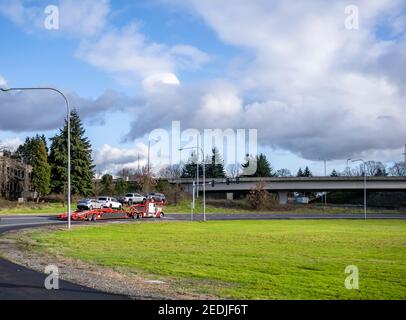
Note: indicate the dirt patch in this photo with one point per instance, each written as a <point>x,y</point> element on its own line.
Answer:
<point>17,246</point>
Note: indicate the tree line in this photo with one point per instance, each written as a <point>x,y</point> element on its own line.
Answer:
<point>49,165</point>
<point>214,166</point>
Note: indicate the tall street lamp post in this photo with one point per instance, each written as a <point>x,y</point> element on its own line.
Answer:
<point>149,159</point>
<point>365,185</point>
<point>325,175</point>
<point>69,146</point>
<point>204,178</point>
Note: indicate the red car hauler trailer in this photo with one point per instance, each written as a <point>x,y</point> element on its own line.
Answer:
<point>147,209</point>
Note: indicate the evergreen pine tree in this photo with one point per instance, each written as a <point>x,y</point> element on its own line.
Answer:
<point>189,169</point>
<point>106,184</point>
<point>215,169</point>
<point>41,170</point>
<point>263,167</point>
<point>300,173</point>
<point>120,187</point>
<point>33,152</point>
<point>307,172</point>
<point>334,173</point>
<point>81,159</point>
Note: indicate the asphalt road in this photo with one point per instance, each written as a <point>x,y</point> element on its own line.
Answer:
<point>19,283</point>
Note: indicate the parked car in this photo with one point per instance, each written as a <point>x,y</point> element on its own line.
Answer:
<point>156,196</point>
<point>108,202</point>
<point>131,198</point>
<point>89,204</point>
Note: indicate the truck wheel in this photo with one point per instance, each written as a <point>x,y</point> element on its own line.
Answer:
<point>162,215</point>
<point>94,217</point>
<point>139,216</point>
<point>89,218</point>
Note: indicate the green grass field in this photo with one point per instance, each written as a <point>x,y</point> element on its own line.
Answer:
<point>35,208</point>
<point>250,259</point>
<point>185,207</point>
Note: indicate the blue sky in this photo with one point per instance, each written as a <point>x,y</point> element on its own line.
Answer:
<point>312,88</point>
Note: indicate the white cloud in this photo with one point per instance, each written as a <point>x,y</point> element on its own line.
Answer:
<point>3,81</point>
<point>108,155</point>
<point>155,82</point>
<point>310,85</point>
<point>79,20</point>
<point>85,19</point>
<point>12,143</point>
<point>129,56</point>
<point>32,110</point>
<point>125,52</point>
<point>188,57</point>
<point>109,159</point>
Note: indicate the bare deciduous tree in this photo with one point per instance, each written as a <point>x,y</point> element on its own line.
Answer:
<point>233,170</point>
<point>171,172</point>
<point>398,169</point>
<point>283,173</point>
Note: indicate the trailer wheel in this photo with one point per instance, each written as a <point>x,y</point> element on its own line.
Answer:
<point>89,218</point>
<point>94,217</point>
<point>139,216</point>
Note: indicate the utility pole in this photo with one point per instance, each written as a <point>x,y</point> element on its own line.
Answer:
<point>197,167</point>
<point>325,175</point>
<point>404,154</point>
<point>365,185</point>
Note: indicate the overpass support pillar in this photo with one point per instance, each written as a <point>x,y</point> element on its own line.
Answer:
<point>283,197</point>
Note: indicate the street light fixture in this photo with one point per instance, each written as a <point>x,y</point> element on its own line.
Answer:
<point>204,178</point>
<point>325,175</point>
<point>68,120</point>
<point>365,185</point>
<point>149,149</point>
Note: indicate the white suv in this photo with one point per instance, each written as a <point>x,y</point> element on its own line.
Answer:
<point>108,202</point>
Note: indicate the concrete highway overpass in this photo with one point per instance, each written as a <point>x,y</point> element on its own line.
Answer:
<point>283,186</point>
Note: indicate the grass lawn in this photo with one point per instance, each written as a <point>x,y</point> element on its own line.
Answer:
<point>250,259</point>
<point>184,207</point>
<point>35,208</point>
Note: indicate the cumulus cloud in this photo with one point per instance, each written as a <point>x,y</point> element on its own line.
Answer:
<point>79,20</point>
<point>11,144</point>
<point>129,56</point>
<point>311,86</point>
<point>3,81</point>
<point>32,110</point>
<point>157,81</point>
<point>111,158</point>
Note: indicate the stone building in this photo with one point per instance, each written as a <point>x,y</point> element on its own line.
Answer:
<point>14,178</point>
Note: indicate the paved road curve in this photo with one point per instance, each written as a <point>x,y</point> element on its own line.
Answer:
<point>20,283</point>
